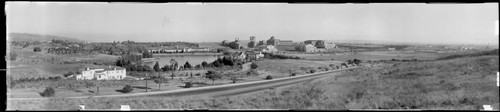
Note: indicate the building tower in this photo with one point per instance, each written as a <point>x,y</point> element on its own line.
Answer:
<point>252,42</point>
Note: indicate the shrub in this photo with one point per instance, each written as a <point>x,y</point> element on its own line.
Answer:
<point>188,85</point>
<point>293,74</point>
<point>127,89</point>
<point>269,77</point>
<point>312,71</point>
<point>48,92</point>
<point>234,79</point>
<point>68,74</point>
<point>37,49</point>
<point>253,66</point>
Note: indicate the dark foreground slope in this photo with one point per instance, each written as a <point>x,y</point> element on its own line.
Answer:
<point>460,83</point>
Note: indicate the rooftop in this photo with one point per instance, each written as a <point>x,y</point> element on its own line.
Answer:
<point>106,68</point>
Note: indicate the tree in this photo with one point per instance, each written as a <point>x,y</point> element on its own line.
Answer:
<point>127,89</point>
<point>173,75</point>
<point>48,92</point>
<point>212,75</point>
<point>160,80</point>
<point>156,67</point>
<point>187,65</point>
<point>253,66</point>
<point>204,64</point>
<point>37,49</point>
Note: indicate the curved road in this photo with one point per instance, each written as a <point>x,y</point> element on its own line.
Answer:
<point>223,90</point>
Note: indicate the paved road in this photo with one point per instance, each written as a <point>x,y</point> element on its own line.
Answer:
<point>224,90</point>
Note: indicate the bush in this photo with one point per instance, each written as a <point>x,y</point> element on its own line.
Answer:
<point>253,66</point>
<point>68,74</point>
<point>293,74</point>
<point>234,79</point>
<point>312,71</point>
<point>37,49</point>
<point>127,89</point>
<point>188,85</point>
<point>269,77</point>
<point>48,92</point>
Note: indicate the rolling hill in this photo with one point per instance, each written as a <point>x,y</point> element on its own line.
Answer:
<point>37,37</point>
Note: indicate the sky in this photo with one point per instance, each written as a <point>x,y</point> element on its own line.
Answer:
<point>210,22</point>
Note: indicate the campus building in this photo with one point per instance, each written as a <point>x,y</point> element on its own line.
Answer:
<point>110,73</point>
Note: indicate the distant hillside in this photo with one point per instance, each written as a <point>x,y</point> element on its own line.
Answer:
<point>492,52</point>
<point>37,37</point>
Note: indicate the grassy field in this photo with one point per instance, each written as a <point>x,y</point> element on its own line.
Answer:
<point>378,55</point>
<point>71,88</point>
<point>281,68</point>
<point>461,83</point>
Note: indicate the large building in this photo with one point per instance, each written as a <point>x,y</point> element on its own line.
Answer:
<point>252,42</point>
<point>285,42</point>
<point>110,73</point>
<point>272,41</point>
<point>241,44</point>
<point>306,48</point>
<point>325,44</point>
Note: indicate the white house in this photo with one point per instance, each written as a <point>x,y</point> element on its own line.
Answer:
<point>110,73</point>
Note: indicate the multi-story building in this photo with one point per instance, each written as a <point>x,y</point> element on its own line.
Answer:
<point>321,43</point>
<point>285,42</point>
<point>272,41</point>
<point>110,73</point>
<point>306,48</point>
